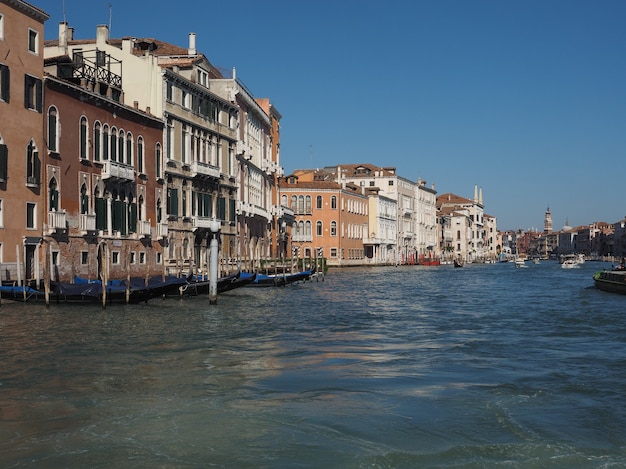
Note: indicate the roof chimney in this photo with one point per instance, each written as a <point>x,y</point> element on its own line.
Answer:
<point>192,44</point>
<point>102,34</point>
<point>63,34</point>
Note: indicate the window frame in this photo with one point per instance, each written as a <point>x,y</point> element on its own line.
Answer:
<point>83,138</point>
<point>53,129</point>
<point>31,215</point>
<point>33,41</point>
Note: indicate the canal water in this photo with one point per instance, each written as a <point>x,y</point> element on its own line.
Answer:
<point>398,367</point>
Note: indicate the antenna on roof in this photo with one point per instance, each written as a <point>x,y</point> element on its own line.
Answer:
<point>110,15</point>
<point>64,15</point>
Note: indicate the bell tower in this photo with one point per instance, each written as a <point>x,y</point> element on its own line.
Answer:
<point>547,222</point>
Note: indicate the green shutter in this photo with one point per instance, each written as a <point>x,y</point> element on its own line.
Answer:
<point>101,214</point>
<point>222,208</point>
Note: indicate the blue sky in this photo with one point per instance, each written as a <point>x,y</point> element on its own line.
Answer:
<point>526,99</point>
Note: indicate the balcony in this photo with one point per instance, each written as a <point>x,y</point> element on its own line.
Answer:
<point>375,241</point>
<point>201,222</point>
<point>302,238</point>
<point>87,223</point>
<point>143,228</point>
<point>200,169</point>
<point>115,170</point>
<point>162,230</point>
<point>56,221</point>
<point>251,210</point>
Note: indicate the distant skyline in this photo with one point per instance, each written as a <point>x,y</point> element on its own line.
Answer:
<point>526,100</point>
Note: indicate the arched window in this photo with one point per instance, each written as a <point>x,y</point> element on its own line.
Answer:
<point>301,204</point>
<point>283,200</point>
<point>333,202</point>
<point>105,142</point>
<point>307,204</point>
<point>129,149</point>
<point>333,228</point>
<point>159,210</point>
<point>83,138</point>
<point>307,229</point>
<point>97,144</point>
<point>140,163</point>
<point>113,145</point>
<point>300,228</point>
<point>318,202</point>
<point>121,146</point>
<point>53,195</point>
<point>319,229</point>
<point>84,200</point>
<point>157,157</point>
<point>294,203</point>
<point>53,129</point>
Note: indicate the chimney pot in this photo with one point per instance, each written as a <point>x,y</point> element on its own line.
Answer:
<point>192,44</point>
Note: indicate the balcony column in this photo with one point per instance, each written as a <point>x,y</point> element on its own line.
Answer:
<point>109,216</point>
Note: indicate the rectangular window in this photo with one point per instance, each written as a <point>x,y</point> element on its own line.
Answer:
<point>31,212</point>
<point>1,216</point>
<point>133,257</point>
<point>32,93</point>
<point>55,258</point>
<point>33,166</point>
<point>4,83</point>
<point>1,26</point>
<point>172,202</point>
<point>159,258</point>
<point>84,258</point>
<point>33,41</point>
<point>142,257</point>
<point>115,257</point>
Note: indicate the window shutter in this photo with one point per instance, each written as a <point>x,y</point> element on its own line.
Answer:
<point>232,210</point>
<point>27,91</point>
<point>36,167</point>
<point>4,161</point>
<point>222,208</point>
<point>38,95</point>
<point>101,214</point>
<point>133,218</point>
<point>4,86</point>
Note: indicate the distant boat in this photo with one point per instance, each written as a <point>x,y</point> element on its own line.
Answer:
<point>280,280</point>
<point>520,262</point>
<point>201,285</point>
<point>458,263</point>
<point>572,261</point>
